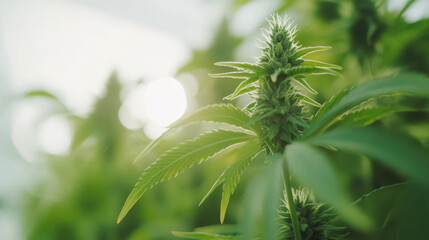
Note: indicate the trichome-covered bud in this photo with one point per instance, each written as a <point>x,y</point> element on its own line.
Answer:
<point>280,107</point>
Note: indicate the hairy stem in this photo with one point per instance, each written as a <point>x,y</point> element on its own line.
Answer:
<point>291,203</point>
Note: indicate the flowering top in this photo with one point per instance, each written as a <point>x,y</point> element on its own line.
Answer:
<point>279,105</point>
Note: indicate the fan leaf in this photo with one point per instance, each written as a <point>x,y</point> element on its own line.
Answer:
<point>232,176</point>
<point>152,145</point>
<point>367,116</point>
<point>242,66</point>
<point>219,113</point>
<point>308,50</point>
<point>240,92</point>
<point>305,85</point>
<point>307,70</point>
<point>331,103</point>
<point>399,154</point>
<point>176,160</point>
<point>241,74</point>
<point>407,83</point>
<point>308,100</point>
<point>313,63</point>
<point>243,85</point>
<point>242,155</point>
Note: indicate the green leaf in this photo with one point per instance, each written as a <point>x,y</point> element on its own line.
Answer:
<point>242,74</point>
<point>409,83</point>
<point>380,190</point>
<point>272,131</point>
<point>243,155</point>
<point>245,90</point>
<point>313,169</point>
<point>305,85</point>
<point>242,66</point>
<point>313,63</point>
<point>308,50</point>
<point>307,70</point>
<point>48,95</point>
<point>393,151</point>
<point>262,198</point>
<point>273,191</point>
<point>241,86</point>
<point>232,177</point>
<point>219,113</point>
<point>331,103</point>
<point>176,160</point>
<point>309,100</point>
<point>205,236</point>
<point>250,108</point>
<point>366,116</point>
<point>152,145</point>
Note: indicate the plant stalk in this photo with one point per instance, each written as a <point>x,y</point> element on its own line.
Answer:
<point>291,203</point>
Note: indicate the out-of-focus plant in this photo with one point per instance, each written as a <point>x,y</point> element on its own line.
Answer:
<point>65,204</point>
<point>277,124</point>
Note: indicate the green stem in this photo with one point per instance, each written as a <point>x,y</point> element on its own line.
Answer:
<point>291,203</point>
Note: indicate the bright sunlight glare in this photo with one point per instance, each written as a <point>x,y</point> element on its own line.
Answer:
<point>164,101</point>
<point>55,135</point>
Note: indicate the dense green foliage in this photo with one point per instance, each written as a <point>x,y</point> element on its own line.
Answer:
<point>279,121</point>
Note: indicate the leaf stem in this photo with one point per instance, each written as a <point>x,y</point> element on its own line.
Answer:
<point>291,203</point>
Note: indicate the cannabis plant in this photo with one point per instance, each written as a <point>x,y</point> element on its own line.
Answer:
<point>278,122</point>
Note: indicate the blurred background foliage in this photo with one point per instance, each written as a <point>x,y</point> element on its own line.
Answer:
<point>82,192</point>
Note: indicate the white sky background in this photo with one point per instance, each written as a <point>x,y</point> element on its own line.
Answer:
<point>71,49</point>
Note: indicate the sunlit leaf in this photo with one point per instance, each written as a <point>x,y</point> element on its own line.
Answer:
<point>218,113</point>
<point>153,144</point>
<point>176,160</point>
<point>243,154</point>
<point>242,74</point>
<point>307,70</point>
<point>238,91</point>
<point>309,100</point>
<point>246,90</point>
<point>305,85</point>
<point>241,66</point>
<point>313,63</point>
<point>308,50</point>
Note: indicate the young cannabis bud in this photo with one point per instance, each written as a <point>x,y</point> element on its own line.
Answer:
<point>315,219</point>
<point>279,107</point>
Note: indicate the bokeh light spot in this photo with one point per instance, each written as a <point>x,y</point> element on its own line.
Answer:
<point>55,135</point>
<point>164,101</point>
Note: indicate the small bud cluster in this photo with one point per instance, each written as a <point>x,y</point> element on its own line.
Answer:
<point>315,219</point>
